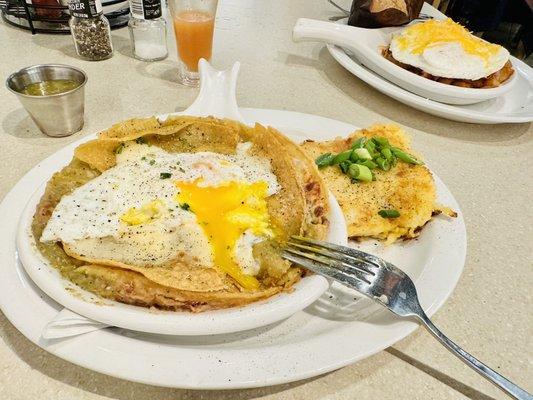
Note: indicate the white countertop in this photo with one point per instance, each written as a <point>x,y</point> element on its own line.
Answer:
<point>488,169</point>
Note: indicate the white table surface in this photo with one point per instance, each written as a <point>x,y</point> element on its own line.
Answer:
<point>488,168</point>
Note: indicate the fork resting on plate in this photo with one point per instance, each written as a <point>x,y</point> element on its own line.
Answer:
<point>386,284</point>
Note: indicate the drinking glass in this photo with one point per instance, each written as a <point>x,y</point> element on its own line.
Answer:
<point>194,22</point>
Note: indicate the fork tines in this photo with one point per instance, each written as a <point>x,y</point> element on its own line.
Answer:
<point>337,262</point>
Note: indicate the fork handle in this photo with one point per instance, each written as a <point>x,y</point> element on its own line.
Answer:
<point>507,386</point>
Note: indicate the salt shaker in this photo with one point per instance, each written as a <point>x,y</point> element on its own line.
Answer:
<point>148,30</point>
<point>90,30</point>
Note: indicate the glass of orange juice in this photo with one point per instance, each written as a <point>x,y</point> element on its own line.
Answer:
<point>194,23</point>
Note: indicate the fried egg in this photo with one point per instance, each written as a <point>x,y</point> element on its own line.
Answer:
<point>447,49</point>
<point>205,209</point>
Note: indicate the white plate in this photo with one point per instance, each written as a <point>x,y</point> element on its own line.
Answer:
<point>333,332</point>
<point>217,95</point>
<point>516,106</point>
<point>113,313</point>
<point>366,45</point>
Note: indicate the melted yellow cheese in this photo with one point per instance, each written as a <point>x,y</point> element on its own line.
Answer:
<point>225,212</point>
<point>417,38</point>
<point>148,212</point>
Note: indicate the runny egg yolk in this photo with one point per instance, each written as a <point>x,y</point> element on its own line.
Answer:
<point>419,37</point>
<point>146,213</point>
<point>225,212</point>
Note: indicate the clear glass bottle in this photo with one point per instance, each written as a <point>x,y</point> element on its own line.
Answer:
<point>90,30</point>
<point>148,30</point>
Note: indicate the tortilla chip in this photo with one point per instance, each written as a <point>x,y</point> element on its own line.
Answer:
<point>286,208</point>
<point>311,185</point>
<point>179,134</point>
<point>138,127</point>
<point>176,276</point>
<point>178,269</point>
<point>99,154</point>
<point>133,288</point>
<point>125,130</point>
<point>200,135</point>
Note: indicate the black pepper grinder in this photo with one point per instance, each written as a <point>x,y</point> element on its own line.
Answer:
<point>90,30</point>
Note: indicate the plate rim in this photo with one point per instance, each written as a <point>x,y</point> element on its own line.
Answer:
<point>70,349</point>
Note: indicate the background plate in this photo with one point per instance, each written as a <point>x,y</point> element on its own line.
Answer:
<point>333,332</point>
<point>516,106</point>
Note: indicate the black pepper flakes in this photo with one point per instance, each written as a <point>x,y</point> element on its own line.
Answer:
<point>90,30</point>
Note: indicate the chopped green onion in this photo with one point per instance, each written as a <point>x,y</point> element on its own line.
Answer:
<point>383,163</point>
<point>345,155</point>
<point>360,172</point>
<point>353,171</point>
<point>344,166</point>
<point>369,164</point>
<point>371,147</point>
<point>408,158</point>
<point>381,141</point>
<point>387,153</point>
<point>185,206</point>
<point>324,160</point>
<point>359,143</point>
<point>165,175</point>
<point>119,149</point>
<point>140,140</point>
<point>363,154</point>
<point>151,162</point>
<point>389,213</point>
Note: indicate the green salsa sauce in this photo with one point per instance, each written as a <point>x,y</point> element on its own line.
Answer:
<point>50,87</point>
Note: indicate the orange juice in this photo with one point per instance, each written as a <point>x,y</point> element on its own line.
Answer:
<point>194,36</point>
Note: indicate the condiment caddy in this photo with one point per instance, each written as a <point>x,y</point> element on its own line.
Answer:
<point>52,16</point>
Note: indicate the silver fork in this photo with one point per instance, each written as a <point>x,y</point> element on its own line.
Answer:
<point>386,284</point>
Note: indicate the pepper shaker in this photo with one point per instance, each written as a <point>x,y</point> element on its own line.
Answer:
<point>148,30</point>
<point>90,30</point>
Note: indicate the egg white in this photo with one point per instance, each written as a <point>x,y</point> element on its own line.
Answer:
<point>449,60</point>
<point>93,211</point>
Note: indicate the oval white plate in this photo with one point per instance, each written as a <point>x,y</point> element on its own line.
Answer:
<point>331,333</point>
<point>366,45</point>
<point>515,106</point>
<point>113,313</point>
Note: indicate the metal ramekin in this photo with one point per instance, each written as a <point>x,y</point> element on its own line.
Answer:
<point>56,115</point>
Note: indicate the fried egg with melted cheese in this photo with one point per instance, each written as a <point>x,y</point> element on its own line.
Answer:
<point>447,49</point>
<point>156,208</point>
